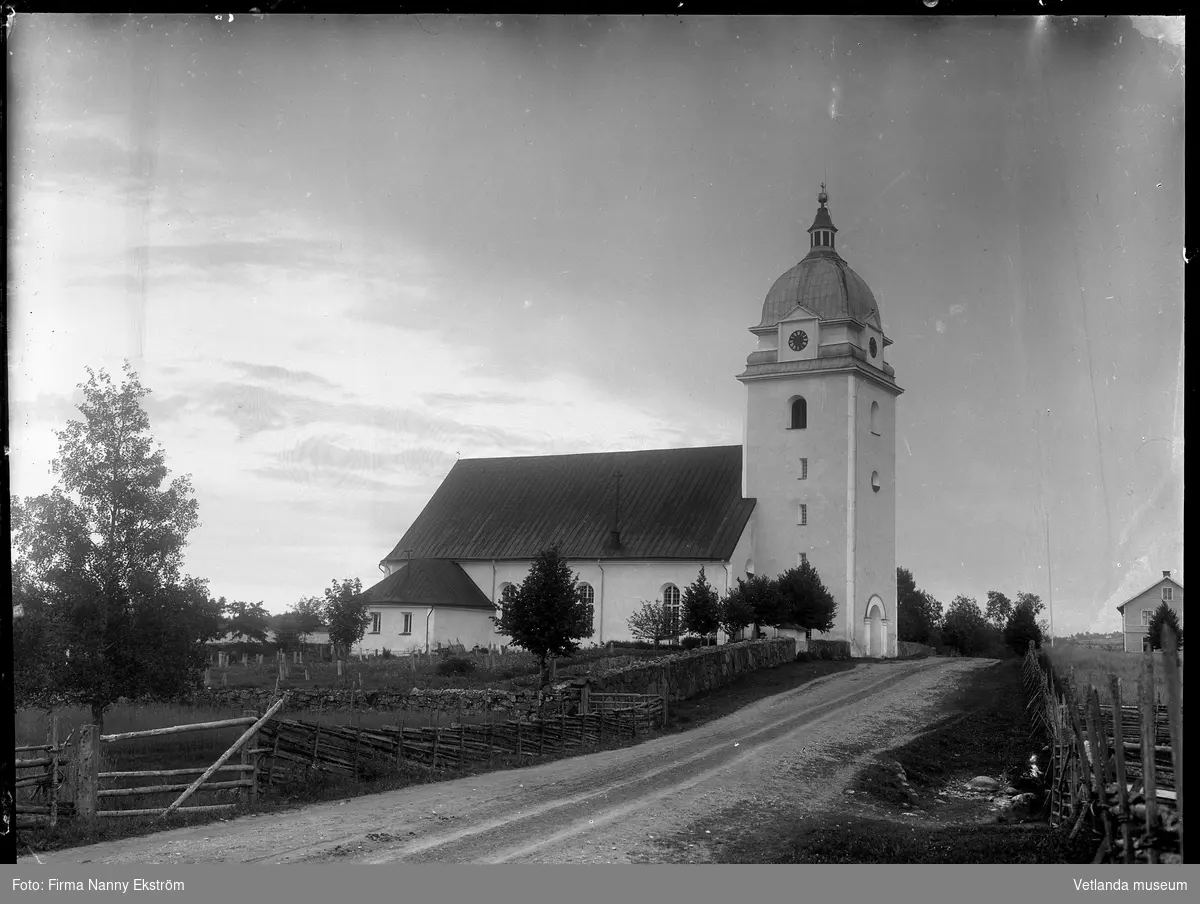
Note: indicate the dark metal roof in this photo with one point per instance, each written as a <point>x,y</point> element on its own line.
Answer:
<point>429,582</point>
<point>674,504</point>
<point>822,221</point>
<point>824,284</point>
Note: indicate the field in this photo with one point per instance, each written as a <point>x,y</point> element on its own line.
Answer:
<point>1092,665</point>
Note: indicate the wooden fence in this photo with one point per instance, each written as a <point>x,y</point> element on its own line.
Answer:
<point>297,749</point>
<point>41,775</point>
<point>83,761</point>
<point>1118,767</point>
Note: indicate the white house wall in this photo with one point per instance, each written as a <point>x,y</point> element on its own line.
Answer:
<point>1151,599</point>
<point>619,586</point>
<point>875,519</point>
<point>772,456</point>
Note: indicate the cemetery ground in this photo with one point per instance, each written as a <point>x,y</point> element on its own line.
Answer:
<point>763,781</point>
<point>182,751</point>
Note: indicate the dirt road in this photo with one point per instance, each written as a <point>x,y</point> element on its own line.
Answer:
<point>796,750</point>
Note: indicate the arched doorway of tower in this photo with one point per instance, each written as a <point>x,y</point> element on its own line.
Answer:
<point>875,625</point>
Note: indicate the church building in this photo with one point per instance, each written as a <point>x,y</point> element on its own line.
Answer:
<point>814,479</point>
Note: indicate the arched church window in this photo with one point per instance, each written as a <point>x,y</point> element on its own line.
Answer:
<point>799,414</point>
<point>875,418</point>
<point>587,596</point>
<point>671,608</point>
<point>507,593</point>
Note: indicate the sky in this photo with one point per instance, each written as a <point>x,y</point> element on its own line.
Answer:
<point>345,252</point>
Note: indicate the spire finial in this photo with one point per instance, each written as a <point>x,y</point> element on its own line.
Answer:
<point>823,196</point>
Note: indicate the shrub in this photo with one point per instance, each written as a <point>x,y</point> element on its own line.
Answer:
<point>387,654</point>
<point>690,643</point>
<point>455,666</point>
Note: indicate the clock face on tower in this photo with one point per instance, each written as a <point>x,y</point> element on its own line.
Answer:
<point>798,340</point>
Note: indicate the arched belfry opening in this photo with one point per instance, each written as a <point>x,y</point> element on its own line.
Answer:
<point>799,413</point>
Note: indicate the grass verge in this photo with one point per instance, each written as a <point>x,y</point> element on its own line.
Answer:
<point>988,733</point>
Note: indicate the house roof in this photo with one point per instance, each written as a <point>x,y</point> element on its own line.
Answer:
<point>1121,608</point>
<point>673,504</point>
<point>429,582</point>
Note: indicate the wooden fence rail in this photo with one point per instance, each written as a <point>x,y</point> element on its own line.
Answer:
<point>41,805</point>
<point>1115,766</point>
<point>307,747</point>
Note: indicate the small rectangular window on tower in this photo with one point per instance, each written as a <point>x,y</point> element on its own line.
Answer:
<point>803,469</point>
<point>802,514</point>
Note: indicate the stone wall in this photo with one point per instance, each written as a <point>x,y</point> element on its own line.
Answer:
<point>452,700</point>
<point>686,674</point>
<point>908,648</point>
<point>692,672</point>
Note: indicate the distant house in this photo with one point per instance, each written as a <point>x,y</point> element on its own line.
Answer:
<point>1137,612</point>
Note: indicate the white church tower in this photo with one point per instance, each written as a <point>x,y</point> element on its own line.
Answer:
<point>819,451</point>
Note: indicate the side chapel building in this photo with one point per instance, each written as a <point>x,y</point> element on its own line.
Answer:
<point>814,478</point>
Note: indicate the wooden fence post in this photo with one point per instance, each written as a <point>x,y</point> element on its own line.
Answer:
<point>665,693</point>
<point>357,729</point>
<point>1149,783</point>
<point>583,700</point>
<point>88,771</point>
<point>1095,728</point>
<point>249,758</point>
<point>1119,748</point>
<point>52,791</point>
<point>1174,719</point>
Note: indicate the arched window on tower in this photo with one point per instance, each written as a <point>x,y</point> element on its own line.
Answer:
<point>799,413</point>
<point>875,418</point>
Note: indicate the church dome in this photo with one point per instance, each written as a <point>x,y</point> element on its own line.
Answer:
<point>822,282</point>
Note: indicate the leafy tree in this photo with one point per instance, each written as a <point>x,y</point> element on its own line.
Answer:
<point>287,631</point>
<point>808,604</point>
<point>1033,601</point>
<point>1163,615</point>
<point>545,614</point>
<point>964,626</point>
<point>918,614</point>
<point>701,607</point>
<point>246,620</point>
<point>1021,628</point>
<point>102,552</point>
<point>310,615</point>
<point>346,613</point>
<point>737,612</point>
<point>765,600</point>
<point>653,622</point>
<point>999,608</point>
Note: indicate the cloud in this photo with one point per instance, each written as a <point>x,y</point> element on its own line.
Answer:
<point>228,256</point>
<point>165,407</point>
<point>257,409</point>
<point>1167,29</point>
<point>316,478</point>
<point>482,397</point>
<point>271,372</point>
<point>318,452</point>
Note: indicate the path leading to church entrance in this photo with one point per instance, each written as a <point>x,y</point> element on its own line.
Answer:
<point>798,750</point>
